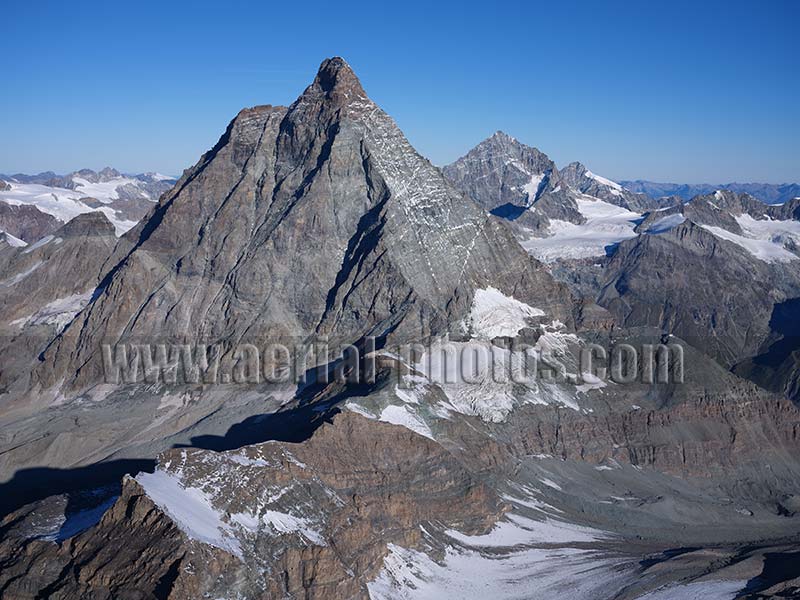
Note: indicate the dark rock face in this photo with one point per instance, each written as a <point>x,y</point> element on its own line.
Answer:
<point>688,282</point>
<point>45,284</point>
<point>515,182</point>
<point>332,183</point>
<point>4,186</point>
<point>500,171</point>
<point>26,222</point>
<point>689,279</point>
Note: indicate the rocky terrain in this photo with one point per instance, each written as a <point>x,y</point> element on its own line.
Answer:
<point>409,479</point>
<point>26,222</point>
<point>712,271</point>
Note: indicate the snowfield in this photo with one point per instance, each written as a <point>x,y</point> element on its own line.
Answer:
<point>606,225</point>
<point>760,240</point>
<point>65,204</point>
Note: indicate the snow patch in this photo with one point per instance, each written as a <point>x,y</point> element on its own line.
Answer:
<point>700,590</point>
<point>494,314</point>
<point>400,415</point>
<point>43,241</point>
<point>532,187</point>
<point>60,312</point>
<point>280,523</point>
<point>13,241</point>
<point>20,276</point>
<point>666,223</point>
<point>190,509</point>
<point>607,182</point>
<point>521,531</point>
<point>763,249</point>
<point>590,382</point>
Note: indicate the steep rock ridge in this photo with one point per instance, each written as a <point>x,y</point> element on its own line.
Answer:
<point>44,285</point>
<point>579,178</point>
<point>27,223</point>
<point>336,168</point>
<point>689,282</point>
<point>513,181</point>
<point>501,170</point>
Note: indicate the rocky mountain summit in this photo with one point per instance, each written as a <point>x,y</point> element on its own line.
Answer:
<point>320,221</point>
<point>332,182</point>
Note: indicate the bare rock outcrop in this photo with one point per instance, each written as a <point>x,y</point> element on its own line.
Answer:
<point>26,222</point>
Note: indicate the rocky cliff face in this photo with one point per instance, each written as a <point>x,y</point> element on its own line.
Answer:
<point>27,223</point>
<point>333,183</point>
<point>713,271</point>
<point>515,182</point>
<point>45,284</point>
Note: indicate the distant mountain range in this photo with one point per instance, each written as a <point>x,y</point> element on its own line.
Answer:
<point>35,205</point>
<point>771,193</point>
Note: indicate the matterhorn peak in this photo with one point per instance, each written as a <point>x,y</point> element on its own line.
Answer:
<point>336,77</point>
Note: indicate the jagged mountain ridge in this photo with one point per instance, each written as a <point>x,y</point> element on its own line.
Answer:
<point>710,270</point>
<point>766,192</point>
<point>521,183</point>
<point>336,167</point>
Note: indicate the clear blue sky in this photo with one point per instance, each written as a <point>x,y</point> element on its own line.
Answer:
<point>668,91</point>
